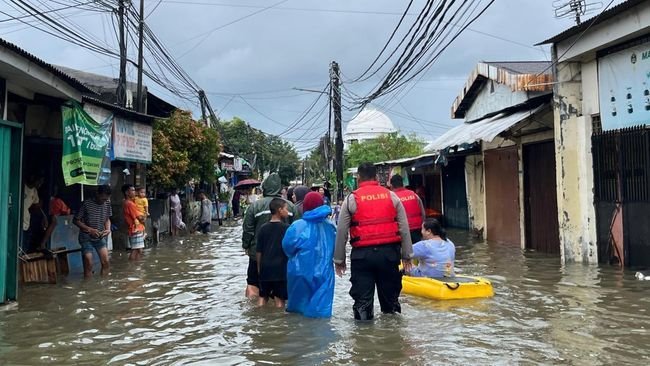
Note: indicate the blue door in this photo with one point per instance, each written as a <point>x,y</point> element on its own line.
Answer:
<point>10,207</point>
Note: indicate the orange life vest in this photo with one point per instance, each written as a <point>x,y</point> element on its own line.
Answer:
<point>411,206</point>
<point>375,221</point>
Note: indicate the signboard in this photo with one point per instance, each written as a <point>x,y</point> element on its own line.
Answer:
<point>85,147</point>
<point>624,88</point>
<point>132,141</point>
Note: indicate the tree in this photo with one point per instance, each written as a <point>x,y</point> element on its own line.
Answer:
<point>385,147</point>
<point>317,164</point>
<point>182,149</point>
<point>269,153</point>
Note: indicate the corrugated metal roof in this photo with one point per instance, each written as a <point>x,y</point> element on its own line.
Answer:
<point>47,66</point>
<point>586,24</point>
<point>524,67</point>
<point>485,130</point>
<point>519,76</point>
<point>99,83</point>
<point>406,160</point>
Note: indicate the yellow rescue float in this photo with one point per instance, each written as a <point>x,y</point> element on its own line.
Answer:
<point>448,288</point>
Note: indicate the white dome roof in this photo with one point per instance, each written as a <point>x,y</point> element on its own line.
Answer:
<point>368,124</point>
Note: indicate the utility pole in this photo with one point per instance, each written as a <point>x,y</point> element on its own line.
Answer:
<point>335,101</point>
<point>202,99</point>
<point>328,155</point>
<point>140,100</point>
<point>121,84</point>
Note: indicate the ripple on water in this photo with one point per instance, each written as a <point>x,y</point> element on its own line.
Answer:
<point>183,304</point>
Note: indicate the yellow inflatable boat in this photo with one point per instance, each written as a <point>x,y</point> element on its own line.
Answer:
<point>449,288</point>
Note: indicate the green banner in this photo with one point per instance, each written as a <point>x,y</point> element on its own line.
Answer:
<point>85,146</point>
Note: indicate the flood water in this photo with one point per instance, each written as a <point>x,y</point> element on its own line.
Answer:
<point>184,304</point>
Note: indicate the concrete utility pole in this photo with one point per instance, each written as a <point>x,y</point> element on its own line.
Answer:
<point>140,100</point>
<point>121,84</point>
<point>335,101</point>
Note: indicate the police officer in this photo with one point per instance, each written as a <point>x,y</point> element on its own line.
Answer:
<point>379,235</point>
<point>412,205</point>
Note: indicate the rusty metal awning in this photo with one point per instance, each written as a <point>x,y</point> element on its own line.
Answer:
<point>484,130</point>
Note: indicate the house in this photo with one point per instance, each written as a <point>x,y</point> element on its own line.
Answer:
<point>132,140</point>
<point>602,107</point>
<point>498,169</point>
<point>31,95</point>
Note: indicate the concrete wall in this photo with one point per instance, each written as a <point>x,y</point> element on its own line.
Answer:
<point>575,180</point>
<point>489,102</point>
<point>43,121</point>
<point>633,23</point>
<point>475,183</point>
<point>475,174</point>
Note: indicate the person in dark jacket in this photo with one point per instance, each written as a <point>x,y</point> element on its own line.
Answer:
<point>258,214</point>
<point>299,193</point>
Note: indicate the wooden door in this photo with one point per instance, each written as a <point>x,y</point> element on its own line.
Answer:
<point>502,195</point>
<point>540,198</point>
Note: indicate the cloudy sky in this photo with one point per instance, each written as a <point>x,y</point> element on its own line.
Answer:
<point>249,54</point>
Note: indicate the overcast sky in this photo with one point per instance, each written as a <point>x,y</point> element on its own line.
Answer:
<point>259,59</point>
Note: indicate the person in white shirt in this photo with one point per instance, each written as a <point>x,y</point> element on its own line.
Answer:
<point>31,202</point>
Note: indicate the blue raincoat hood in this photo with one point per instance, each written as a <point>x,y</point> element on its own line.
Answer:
<point>320,213</point>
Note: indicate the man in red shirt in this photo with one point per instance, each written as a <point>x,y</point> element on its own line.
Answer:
<point>412,205</point>
<point>134,219</point>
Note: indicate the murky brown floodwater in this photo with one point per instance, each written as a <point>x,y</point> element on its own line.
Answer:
<point>184,305</point>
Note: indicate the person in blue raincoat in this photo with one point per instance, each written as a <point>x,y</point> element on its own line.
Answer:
<point>309,245</point>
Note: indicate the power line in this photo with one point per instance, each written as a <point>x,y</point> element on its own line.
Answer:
<point>207,34</point>
<point>401,73</point>
<point>591,23</point>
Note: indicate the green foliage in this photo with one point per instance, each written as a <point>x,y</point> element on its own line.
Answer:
<point>316,164</point>
<point>269,153</point>
<point>386,147</point>
<point>182,149</point>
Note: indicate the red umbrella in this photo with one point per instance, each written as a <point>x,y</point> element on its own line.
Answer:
<point>247,183</point>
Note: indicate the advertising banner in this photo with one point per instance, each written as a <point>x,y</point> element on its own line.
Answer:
<point>624,88</point>
<point>85,147</point>
<point>132,141</point>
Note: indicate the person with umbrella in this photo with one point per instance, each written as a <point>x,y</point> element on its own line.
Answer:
<point>257,214</point>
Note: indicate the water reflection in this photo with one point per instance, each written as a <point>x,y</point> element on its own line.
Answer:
<point>184,304</point>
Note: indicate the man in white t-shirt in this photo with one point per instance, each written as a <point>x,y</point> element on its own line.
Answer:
<point>30,202</point>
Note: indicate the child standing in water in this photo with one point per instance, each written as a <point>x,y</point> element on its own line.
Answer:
<point>142,203</point>
<point>271,260</point>
<point>206,213</point>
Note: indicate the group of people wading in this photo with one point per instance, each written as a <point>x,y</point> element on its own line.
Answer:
<point>381,226</point>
